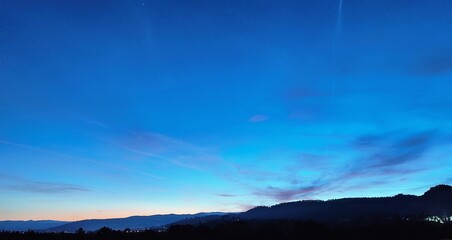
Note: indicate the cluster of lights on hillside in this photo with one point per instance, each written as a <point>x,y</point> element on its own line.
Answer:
<point>437,219</point>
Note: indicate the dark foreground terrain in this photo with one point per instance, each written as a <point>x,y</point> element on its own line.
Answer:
<point>260,229</point>
<point>426,217</point>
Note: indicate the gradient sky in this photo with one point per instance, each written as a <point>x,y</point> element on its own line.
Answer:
<point>119,108</point>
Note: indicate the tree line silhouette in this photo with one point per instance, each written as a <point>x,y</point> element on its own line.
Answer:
<point>257,229</point>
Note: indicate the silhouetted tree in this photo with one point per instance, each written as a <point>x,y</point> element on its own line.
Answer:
<point>80,231</point>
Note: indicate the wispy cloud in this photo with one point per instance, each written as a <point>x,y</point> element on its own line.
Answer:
<point>44,187</point>
<point>388,150</point>
<point>381,158</point>
<point>87,160</point>
<point>14,183</point>
<point>169,149</point>
<point>433,63</point>
<point>291,193</point>
<point>258,118</point>
<point>229,195</point>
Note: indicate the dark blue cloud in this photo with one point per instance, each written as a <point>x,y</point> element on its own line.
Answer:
<point>292,193</point>
<point>392,149</point>
<point>434,63</point>
<point>381,158</point>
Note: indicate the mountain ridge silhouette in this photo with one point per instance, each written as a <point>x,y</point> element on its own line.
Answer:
<point>435,201</point>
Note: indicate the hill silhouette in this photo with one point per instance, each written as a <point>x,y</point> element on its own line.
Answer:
<point>436,201</point>
<point>134,222</point>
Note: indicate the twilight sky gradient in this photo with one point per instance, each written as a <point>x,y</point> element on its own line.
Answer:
<point>118,108</point>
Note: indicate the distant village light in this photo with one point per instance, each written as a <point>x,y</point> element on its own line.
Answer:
<point>439,219</point>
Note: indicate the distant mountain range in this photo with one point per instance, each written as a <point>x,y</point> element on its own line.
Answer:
<point>134,222</point>
<point>25,225</point>
<point>437,201</point>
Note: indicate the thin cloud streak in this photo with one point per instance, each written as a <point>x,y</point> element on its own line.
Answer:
<point>97,162</point>
<point>171,150</point>
<point>228,195</point>
<point>14,183</point>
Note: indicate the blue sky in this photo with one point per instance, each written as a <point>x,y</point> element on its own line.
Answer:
<point>118,108</point>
